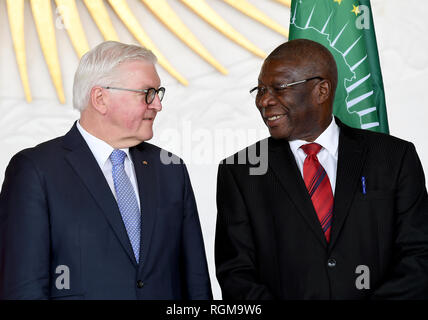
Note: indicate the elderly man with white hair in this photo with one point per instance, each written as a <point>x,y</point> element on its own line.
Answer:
<point>96,214</point>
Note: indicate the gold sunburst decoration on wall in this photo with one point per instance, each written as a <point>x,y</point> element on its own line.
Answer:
<point>43,18</point>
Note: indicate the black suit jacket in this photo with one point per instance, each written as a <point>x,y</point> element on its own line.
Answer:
<point>269,243</point>
<point>56,209</point>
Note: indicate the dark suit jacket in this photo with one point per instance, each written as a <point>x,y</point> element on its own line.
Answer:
<point>56,208</point>
<point>269,243</point>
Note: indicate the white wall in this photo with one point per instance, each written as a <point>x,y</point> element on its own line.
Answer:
<point>195,118</point>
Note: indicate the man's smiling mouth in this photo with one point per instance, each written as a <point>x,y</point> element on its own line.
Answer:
<point>272,118</point>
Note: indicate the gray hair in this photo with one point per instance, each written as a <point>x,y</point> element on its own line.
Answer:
<point>97,68</point>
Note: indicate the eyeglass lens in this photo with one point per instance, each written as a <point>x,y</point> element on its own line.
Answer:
<point>151,93</point>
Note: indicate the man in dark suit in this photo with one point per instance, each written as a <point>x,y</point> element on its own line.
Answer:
<point>99,213</point>
<point>340,213</point>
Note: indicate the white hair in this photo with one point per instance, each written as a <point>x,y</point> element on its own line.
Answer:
<point>97,68</point>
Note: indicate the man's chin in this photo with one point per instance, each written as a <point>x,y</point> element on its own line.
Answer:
<point>277,133</point>
<point>136,140</point>
<point>146,136</point>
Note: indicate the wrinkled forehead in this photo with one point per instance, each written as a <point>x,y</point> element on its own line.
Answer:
<point>137,72</point>
<point>284,69</point>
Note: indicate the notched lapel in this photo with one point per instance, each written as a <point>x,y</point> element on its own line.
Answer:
<point>84,164</point>
<point>351,157</point>
<point>146,163</point>
<point>283,164</point>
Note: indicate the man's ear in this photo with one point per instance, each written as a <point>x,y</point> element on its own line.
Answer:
<point>99,99</point>
<point>324,91</point>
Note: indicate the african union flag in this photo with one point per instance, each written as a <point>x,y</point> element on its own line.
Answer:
<point>346,28</point>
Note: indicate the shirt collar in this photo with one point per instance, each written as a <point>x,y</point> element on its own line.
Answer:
<point>100,149</point>
<point>329,140</point>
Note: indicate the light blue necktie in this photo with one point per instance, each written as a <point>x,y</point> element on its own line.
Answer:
<point>126,200</point>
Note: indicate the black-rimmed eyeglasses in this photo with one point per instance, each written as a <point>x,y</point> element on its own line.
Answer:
<point>150,92</point>
<point>258,92</point>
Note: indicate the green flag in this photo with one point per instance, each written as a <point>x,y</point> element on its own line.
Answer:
<point>346,28</point>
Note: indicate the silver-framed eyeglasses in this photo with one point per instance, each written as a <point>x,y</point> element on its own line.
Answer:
<point>258,92</point>
<point>150,92</point>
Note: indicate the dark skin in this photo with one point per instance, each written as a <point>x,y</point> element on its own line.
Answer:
<point>304,110</point>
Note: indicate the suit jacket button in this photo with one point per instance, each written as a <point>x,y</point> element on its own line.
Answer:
<point>331,263</point>
<point>140,284</point>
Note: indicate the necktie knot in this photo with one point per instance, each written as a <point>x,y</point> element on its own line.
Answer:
<point>311,149</point>
<point>117,157</point>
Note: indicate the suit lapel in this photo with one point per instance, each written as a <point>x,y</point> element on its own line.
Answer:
<point>146,162</point>
<point>283,164</point>
<point>351,158</point>
<point>84,164</point>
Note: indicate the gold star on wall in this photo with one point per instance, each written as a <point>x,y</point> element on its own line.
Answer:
<point>338,1</point>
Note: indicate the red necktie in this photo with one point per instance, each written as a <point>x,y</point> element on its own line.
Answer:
<point>319,188</point>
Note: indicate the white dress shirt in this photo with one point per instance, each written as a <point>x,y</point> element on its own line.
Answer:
<point>102,151</point>
<point>329,140</point>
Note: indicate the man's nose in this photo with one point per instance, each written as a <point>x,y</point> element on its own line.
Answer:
<point>156,104</point>
<point>265,100</point>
